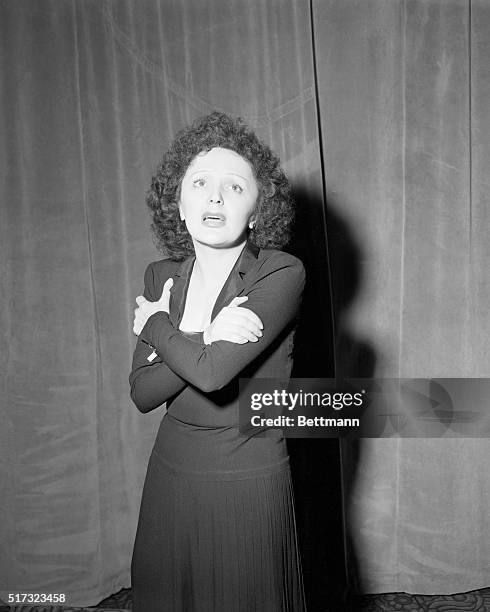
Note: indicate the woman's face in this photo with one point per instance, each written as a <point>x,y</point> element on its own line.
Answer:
<point>217,198</point>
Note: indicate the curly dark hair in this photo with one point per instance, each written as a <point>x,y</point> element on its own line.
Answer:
<point>275,209</point>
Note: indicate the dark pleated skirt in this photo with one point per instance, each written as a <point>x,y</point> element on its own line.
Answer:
<point>215,540</point>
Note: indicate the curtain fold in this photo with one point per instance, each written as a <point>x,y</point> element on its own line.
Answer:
<point>93,92</point>
<point>401,97</point>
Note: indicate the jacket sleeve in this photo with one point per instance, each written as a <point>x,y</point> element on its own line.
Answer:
<point>152,382</point>
<point>275,297</point>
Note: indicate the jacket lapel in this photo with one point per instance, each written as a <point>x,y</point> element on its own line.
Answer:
<point>178,291</point>
<point>235,282</point>
<point>233,286</point>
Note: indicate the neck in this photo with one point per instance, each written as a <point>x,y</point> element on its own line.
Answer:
<point>214,264</point>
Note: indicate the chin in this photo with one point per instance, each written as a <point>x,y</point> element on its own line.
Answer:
<point>219,242</point>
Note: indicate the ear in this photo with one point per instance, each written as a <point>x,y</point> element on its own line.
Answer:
<point>251,223</point>
<point>181,213</point>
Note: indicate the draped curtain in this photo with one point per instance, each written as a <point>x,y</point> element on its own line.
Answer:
<point>378,112</point>
<point>403,93</point>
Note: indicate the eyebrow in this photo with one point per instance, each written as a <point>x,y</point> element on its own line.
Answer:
<point>209,170</point>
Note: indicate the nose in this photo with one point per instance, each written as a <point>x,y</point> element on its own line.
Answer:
<point>216,197</point>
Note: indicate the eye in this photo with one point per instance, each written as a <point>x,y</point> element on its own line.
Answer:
<point>199,182</point>
<point>236,187</point>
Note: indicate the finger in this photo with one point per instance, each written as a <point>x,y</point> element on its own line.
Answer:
<point>246,316</point>
<point>140,300</point>
<point>242,331</point>
<point>245,326</point>
<point>138,319</point>
<point>250,335</point>
<point>231,318</point>
<point>166,288</point>
<point>238,300</point>
<point>235,338</point>
<point>138,315</point>
<point>238,323</point>
<point>252,316</point>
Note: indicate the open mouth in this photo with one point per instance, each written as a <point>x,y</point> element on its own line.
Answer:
<point>213,219</point>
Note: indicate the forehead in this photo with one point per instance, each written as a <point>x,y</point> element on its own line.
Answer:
<point>222,160</point>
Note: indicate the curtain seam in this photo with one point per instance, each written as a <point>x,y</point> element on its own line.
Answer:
<point>96,325</point>
<point>470,128</point>
<point>321,152</point>
<point>402,273</point>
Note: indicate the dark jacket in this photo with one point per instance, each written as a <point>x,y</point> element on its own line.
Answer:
<point>273,281</point>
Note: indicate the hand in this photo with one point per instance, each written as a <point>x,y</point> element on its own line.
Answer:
<point>146,309</point>
<point>235,324</point>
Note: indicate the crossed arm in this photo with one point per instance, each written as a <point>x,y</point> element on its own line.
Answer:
<point>152,382</point>
<point>274,297</point>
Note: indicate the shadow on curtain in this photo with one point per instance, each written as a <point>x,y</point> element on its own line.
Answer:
<point>93,93</point>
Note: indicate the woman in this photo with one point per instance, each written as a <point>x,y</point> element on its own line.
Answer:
<point>216,530</point>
